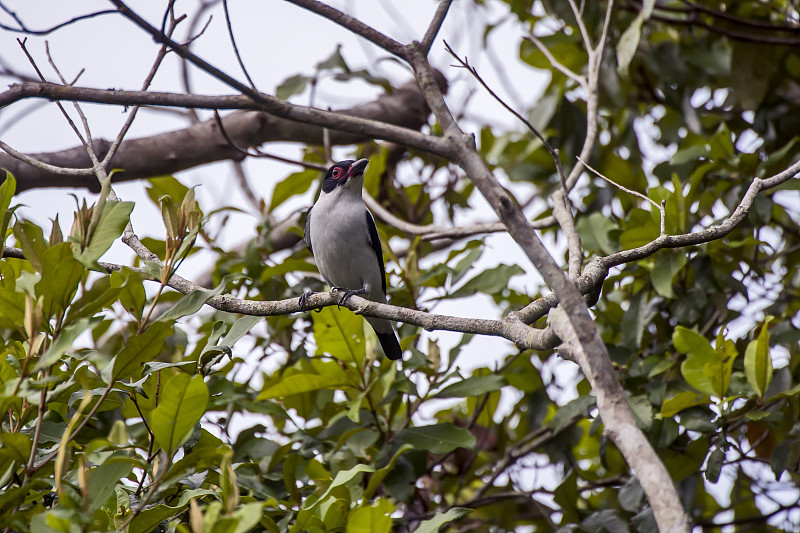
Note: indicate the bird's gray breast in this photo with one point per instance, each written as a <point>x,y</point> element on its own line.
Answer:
<point>342,250</point>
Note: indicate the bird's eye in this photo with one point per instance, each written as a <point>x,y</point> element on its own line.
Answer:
<point>336,172</point>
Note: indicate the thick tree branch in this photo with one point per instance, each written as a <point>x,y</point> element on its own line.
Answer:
<point>403,110</point>
<point>575,323</point>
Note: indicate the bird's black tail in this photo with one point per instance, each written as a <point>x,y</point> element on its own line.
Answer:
<point>390,345</point>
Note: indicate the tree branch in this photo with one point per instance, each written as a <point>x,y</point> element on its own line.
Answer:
<point>404,111</point>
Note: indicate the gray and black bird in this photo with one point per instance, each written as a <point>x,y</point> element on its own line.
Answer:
<point>341,234</point>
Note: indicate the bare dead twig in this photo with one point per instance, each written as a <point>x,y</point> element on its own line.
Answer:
<point>435,25</point>
<point>235,47</point>
<point>28,31</point>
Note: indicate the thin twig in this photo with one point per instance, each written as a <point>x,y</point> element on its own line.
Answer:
<point>580,80</point>
<point>435,25</point>
<point>658,206</point>
<point>63,171</point>
<point>235,47</point>
<point>27,31</point>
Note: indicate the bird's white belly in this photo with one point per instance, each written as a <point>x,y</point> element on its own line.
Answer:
<point>342,249</point>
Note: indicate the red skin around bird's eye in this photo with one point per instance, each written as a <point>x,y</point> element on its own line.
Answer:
<point>336,172</point>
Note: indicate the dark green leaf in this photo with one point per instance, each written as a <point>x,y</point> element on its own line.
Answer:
<point>61,274</point>
<point>758,362</point>
<point>190,303</point>
<point>139,349</point>
<point>105,478</point>
<point>714,464</point>
<point>7,190</point>
<point>432,525</point>
<point>472,386</point>
<point>491,281</point>
<point>664,270</point>
<point>300,383</point>
<point>293,184</point>
<point>438,438</point>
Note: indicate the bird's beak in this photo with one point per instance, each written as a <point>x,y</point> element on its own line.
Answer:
<point>357,168</point>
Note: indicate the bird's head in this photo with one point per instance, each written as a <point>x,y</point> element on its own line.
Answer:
<point>343,173</point>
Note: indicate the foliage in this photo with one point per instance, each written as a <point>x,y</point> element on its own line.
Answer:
<point>136,410</point>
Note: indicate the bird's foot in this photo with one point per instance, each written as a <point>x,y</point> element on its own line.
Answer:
<point>348,293</point>
<point>303,301</point>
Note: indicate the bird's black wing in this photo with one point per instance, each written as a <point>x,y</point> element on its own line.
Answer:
<point>307,230</point>
<point>375,242</point>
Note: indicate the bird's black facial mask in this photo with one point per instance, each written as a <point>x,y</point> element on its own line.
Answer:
<point>341,172</point>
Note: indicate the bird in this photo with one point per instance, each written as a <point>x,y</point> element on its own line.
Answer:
<point>341,235</point>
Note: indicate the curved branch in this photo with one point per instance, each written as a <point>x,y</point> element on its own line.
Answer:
<point>354,25</point>
<point>509,328</point>
<point>402,111</point>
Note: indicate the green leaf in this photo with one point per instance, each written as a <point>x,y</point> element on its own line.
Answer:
<point>291,86</point>
<point>629,41</point>
<point>432,525</point>
<point>714,464</point>
<point>131,295</point>
<point>166,186</point>
<point>473,386</point>
<point>758,363</point>
<point>699,353</point>
<point>139,349</point>
<point>371,519</point>
<point>438,438</point>
<point>110,226</point>
<point>340,333</point>
<point>641,228</point>
<point>15,446</point>
<point>376,478</point>
<point>7,190</point>
<point>687,462</point>
<point>634,320</point>
<point>334,61</point>
<point>595,231</point>
<point>300,383</point>
<point>239,329</point>
<point>667,264</point>
<point>248,515</point>
<point>64,341</point>
<point>31,239</point>
<point>149,519</point>
<point>293,184</point>
<point>100,296</point>
<point>752,75</point>
<point>719,371</point>
<point>681,401</point>
<point>491,281</point>
<point>182,403</point>
<point>630,495</point>
<point>342,478</point>
<point>104,479</point>
<point>190,303</point>
<point>786,454</point>
<point>61,274</point>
